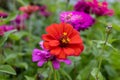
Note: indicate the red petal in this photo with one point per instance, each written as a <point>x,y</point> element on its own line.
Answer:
<point>51,30</point>
<point>56,51</point>
<point>53,43</point>
<point>68,51</point>
<point>62,55</point>
<point>68,28</point>
<point>73,33</point>
<point>75,40</point>
<point>78,48</point>
<point>47,37</point>
<point>46,45</point>
<point>77,51</point>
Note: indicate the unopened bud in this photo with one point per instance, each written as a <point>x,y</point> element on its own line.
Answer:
<point>109,28</point>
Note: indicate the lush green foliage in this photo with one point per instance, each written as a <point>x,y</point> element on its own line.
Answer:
<point>15,59</point>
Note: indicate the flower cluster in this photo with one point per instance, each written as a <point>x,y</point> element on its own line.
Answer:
<point>42,56</point>
<point>19,22</point>
<point>61,41</point>
<point>81,18</point>
<point>29,9</point>
<point>94,6</point>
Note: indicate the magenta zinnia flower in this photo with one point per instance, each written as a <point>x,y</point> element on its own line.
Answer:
<point>1,31</point>
<point>94,6</point>
<point>19,21</point>
<point>79,20</point>
<point>43,56</point>
<point>7,27</point>
<point>100,8</point>
<point>82,5</point>
<point>43,11</point>
<point>3,14</point>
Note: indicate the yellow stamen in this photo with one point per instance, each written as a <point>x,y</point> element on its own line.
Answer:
<point>70,14</point>
<point>100,4</point>
<point>64,33</point>
<point>68,39</point>
<point>64,41</point>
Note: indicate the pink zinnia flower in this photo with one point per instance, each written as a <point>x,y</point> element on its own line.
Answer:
<point>29,9</point>
<point>3,14</point>
<point>43,56</point>
<point>19,21</point>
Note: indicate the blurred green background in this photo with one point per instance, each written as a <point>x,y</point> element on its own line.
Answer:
<point>15,60</point>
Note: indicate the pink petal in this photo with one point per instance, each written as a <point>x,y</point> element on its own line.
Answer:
<point>56,64</point>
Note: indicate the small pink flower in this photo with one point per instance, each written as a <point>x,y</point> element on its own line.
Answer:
<point>3,14</point>
<point>29,9</point>
<point>43,56</point>
<point>19,21</point>
<point>1,31</point>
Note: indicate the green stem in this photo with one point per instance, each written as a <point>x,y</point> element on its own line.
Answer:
<point>101,58</point>
<point>67,3</point>
<point>51,70</point>
<point>30,30</point>
<point>55,78</point>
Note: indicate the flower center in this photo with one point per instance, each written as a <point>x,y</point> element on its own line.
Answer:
<point>100,4</point>
<point>69,16</point>
<point>64,40</point>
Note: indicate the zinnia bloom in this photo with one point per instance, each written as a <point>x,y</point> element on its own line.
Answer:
<point>94,6</point>
<point>29,9</point>
<point>3,14</point>
<point>1,31</point>
<point>100,8</point>
<point>43,11</point>
<point>79,20</point>
<point>43,56</point>
<point>82,6</point>
<point>6,28</point>
<point>62,40</point>
<point>19,21</point>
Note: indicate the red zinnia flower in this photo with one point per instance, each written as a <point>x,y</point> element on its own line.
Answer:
<point>62,40</point>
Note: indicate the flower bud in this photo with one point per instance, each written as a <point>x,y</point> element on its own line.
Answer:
<point>109,28</point>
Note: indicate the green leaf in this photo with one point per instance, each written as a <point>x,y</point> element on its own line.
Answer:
<point>65,74</point>
<point>18,35</point>
<point>110,70</point>
<point>5,37</point>
<point>9,18</point>
<point>22,65</point>
<point>96,72</point>
<point>7,69</point>
<point>21,2</point>
<point>116,26</point>
<point>29,78</point>
<point>100,42</point>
